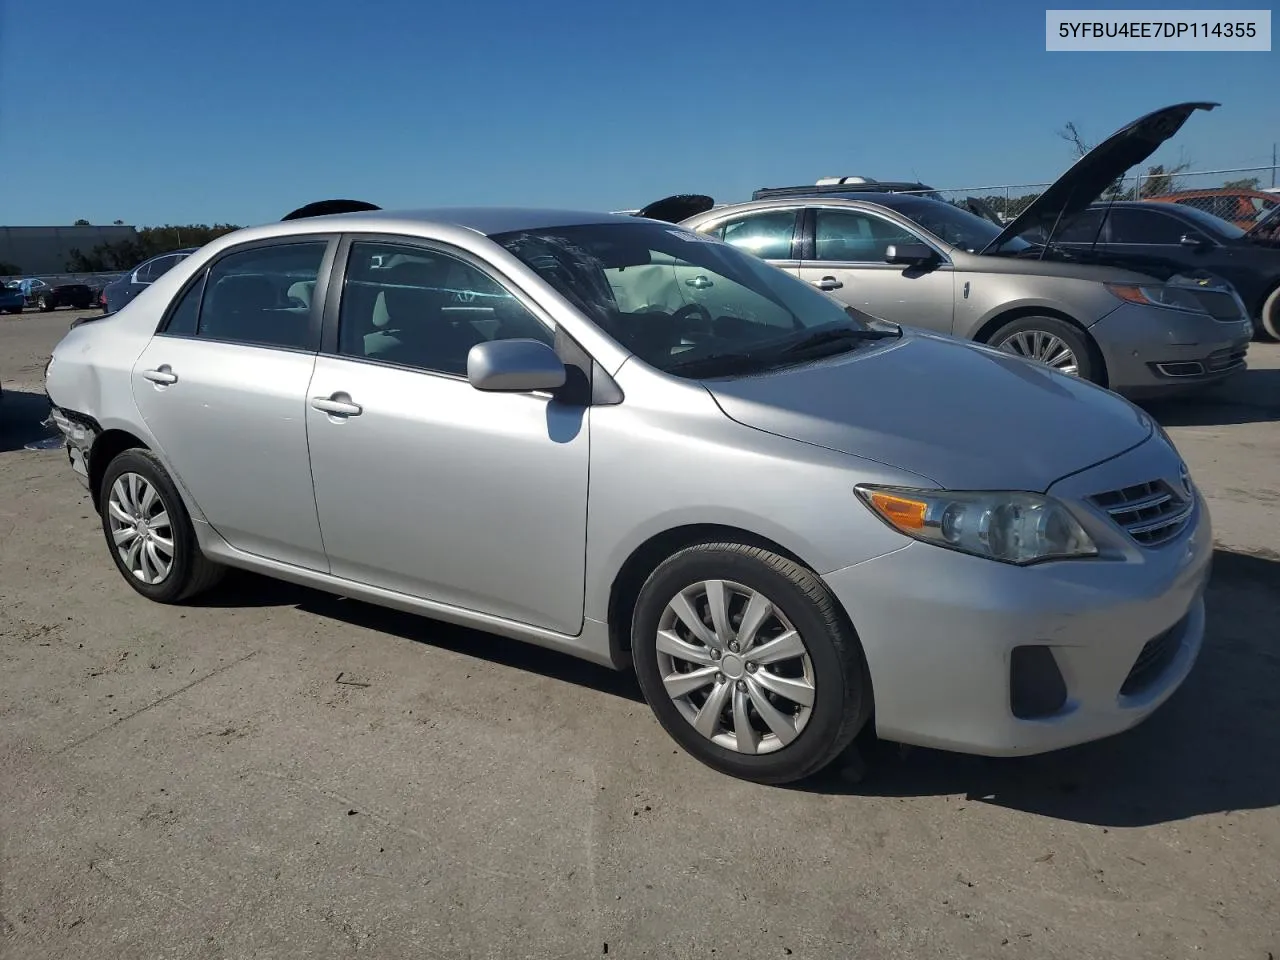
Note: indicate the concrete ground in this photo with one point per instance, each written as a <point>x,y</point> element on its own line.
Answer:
<point>279,773</point>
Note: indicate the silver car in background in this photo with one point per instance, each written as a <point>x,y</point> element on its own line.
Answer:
<point>1143,330</point>
<point>524,422</point>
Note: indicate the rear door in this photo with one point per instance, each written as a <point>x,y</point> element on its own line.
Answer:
<point>846,259</point>
<point>223,386</point>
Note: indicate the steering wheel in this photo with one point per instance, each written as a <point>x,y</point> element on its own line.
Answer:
<point>689,309</point>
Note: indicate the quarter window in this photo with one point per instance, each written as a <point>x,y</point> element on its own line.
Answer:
<point>853,236</point>
<point>422,308</point>
<point>766,235</point>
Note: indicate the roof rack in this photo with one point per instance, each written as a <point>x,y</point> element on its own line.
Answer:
<point>844,185</point>
<point>323,208</point>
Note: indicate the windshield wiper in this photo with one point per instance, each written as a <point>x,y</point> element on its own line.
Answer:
<point>820,338</point>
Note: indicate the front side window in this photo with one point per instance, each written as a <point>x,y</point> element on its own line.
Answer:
<point>854,236</point>
<point>425,309</point>
<point>1133,225</point>
<point>680,300</point>
<point>245,297</point>
<point>766,235</point>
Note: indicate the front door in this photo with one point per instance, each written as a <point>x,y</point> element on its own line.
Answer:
<point>425,485</point>
<point>223,390</point>
<point>848,262</point>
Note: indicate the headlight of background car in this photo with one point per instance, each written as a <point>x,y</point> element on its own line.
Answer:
<point>1012,527</point>
<point>1165,295</point>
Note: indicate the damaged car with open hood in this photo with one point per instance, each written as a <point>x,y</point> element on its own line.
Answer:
<point>1154,329</point>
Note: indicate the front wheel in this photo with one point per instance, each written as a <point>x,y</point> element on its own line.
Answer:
<point>149,531</point>
<point>1270,317</point>
<point>1051,341</point>
<point>748,663</point>
<point>45,304</point>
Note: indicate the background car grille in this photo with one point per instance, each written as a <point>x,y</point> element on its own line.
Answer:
<point>1156,655</point>
<point>1221,306</point>
<point>1149,512</point>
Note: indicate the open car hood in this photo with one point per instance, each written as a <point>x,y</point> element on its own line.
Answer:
<point>1089,176</point>
<point>682,206</point>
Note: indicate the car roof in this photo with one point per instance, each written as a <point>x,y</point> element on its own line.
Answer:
<point>483,220</point>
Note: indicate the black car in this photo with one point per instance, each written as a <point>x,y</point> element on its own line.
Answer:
<point>1138,230</point>
<point>848,187</point>
<point>122,291</point>
<point>50,296</point>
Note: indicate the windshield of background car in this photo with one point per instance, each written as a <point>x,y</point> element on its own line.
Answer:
<point>1208,222</point>
<point>954,225</point>
<point>673,296</point>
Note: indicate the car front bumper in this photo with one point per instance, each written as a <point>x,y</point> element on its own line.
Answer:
<point>940,630</point>
<point>1151,351</point>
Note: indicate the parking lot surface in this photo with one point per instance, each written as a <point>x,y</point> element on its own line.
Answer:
<point>280,773</point>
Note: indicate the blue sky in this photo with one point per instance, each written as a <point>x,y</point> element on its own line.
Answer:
<point>168,111</point>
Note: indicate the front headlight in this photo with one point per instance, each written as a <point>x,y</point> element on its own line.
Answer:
<point>1009,526</point>
<point>1157,295</point>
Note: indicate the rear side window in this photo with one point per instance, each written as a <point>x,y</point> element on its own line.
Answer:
<point>1083,228</point>
<point>251,297</point>
<point>765,235</point>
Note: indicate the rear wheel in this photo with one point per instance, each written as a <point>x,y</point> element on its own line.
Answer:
<point>1270,317</point>
<point>748,663</point>
<point>149,531</point>
<point>1051,341</point>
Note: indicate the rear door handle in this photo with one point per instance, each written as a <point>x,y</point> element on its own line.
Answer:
<point>162,374</point>
<point>337,406</point>
<point>827,283</point>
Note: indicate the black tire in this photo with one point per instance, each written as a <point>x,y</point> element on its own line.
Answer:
<point>45,304</point>
<point>1268,325</point>
<point>842,687</point>
<point>191,573</point>
<point>1088,360</point>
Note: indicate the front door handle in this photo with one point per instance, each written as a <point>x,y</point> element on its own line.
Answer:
<point>162,374</point>
<point>337,405</point>
<point>827,283</point>
<point>699,282</point>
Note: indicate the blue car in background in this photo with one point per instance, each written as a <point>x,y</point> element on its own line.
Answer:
<point>12,299</point>
<point>122,291</point>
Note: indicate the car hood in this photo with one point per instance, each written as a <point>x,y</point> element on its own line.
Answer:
<point>966,416</point>
<point>1089,176</point>
<point>677,208</point>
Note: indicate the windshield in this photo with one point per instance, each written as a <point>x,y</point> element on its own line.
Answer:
<point>955,225</point>
<point>679,300</point>
<point>1207,221</point>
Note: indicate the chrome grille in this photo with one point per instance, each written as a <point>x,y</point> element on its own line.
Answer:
<point>1152,513</point>
<point>1219,304</point>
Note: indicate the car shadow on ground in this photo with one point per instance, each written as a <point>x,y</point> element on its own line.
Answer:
<point>1251,396</point>
<point>242,589</point>
<point>1211,748</point>
<point>21,413</point>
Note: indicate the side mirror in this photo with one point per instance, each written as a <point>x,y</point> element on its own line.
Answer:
<point>1192,240</point>
<point>909,254</point>
<point>514,366</point>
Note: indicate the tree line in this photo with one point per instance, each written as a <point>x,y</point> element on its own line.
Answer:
<point>146,243</point>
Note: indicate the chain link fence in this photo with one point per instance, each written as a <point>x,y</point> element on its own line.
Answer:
<point>1239,194</point>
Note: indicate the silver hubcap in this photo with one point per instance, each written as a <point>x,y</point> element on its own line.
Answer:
<point>1045,347</point>
<point>735,667</point>
<point>140,528</point>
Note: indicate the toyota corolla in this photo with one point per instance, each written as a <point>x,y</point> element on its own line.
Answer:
<point>794,522</point>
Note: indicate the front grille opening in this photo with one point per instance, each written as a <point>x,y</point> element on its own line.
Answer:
<point>1151,513</point>
<point>1036,687</point>
<point>1227,358</point>
<point>1155,657</point>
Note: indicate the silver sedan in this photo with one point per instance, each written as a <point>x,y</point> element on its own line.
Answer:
<point>522,421</point>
